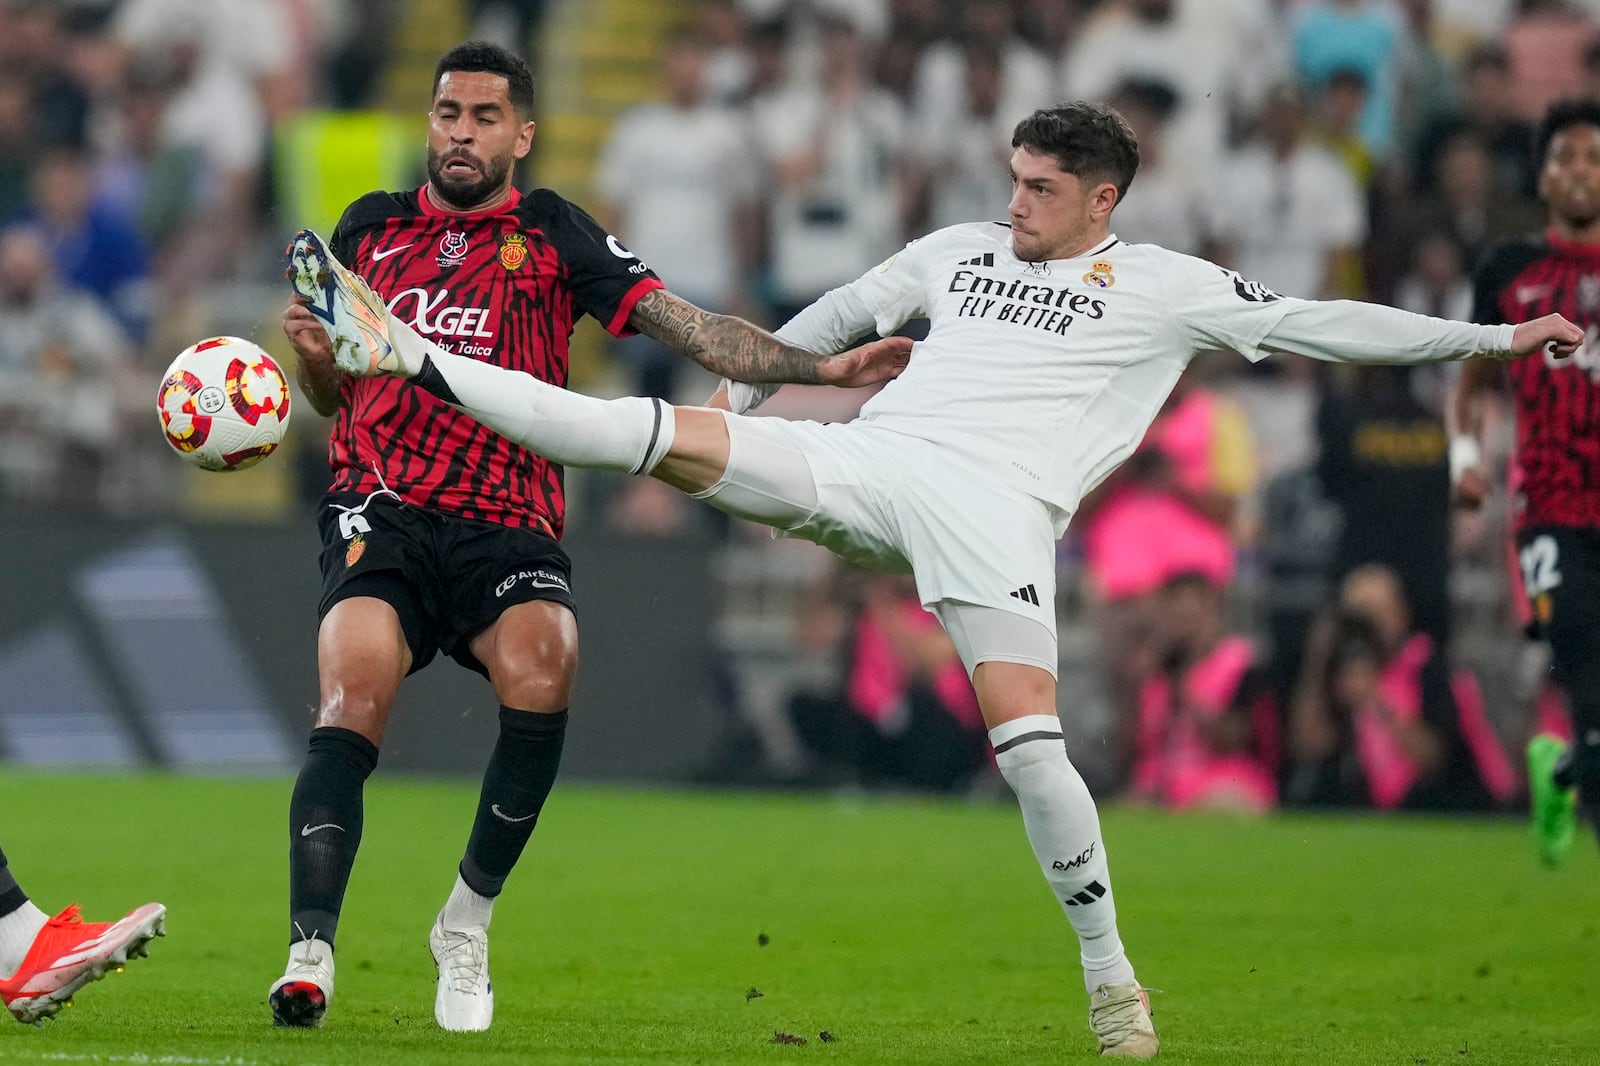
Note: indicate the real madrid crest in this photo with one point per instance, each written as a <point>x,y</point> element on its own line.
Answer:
<point>513,251</point>
<point>1100,274</point>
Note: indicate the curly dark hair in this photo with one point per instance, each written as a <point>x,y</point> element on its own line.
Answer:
<point>1087,139</point>
<point>489,58</point>
<point>1562,116</point>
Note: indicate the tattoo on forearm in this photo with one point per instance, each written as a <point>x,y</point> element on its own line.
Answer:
<point>723,344</point>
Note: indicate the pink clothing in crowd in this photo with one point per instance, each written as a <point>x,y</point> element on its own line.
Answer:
<point>1142,537</point>
<point>878,679</point>
<point>1389,771</point>
<point>1175,765</point>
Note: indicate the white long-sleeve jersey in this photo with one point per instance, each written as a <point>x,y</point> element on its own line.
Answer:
<point>1046,375</point>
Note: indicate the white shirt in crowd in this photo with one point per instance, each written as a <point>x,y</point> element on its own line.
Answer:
<point>828,230</point>
<point>679,206</point>
<point>1284,216</point>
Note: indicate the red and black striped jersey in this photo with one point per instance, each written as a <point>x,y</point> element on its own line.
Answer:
<point>504,286</point>
<point>1557,402</point>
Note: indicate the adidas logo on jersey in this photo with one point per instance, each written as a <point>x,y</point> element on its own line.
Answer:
<point>984,260</point>
<point>1027,594</point>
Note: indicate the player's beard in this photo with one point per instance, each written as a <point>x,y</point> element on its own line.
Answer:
<point>465,193</point>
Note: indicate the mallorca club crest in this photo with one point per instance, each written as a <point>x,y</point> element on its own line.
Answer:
<point>357,548</point>
<point>513,251</point>
<point>452,248</point>
<point>1100,274</point>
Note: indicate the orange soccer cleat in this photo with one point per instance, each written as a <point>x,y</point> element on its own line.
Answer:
<point>69,952</point>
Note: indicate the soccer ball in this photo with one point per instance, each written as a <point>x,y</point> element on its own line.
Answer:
<point>224,404</point>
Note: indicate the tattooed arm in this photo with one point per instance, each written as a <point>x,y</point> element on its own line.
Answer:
<point>738,350</point>
<point>722,344</point>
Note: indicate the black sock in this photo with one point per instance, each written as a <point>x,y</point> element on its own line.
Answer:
<point>519,777</point>
<point>11,894</point>
<point>325,829</point>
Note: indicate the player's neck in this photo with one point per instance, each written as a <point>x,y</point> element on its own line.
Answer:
<point>1082,244</point>
<point>483,207</point>
<point>1567,233</point>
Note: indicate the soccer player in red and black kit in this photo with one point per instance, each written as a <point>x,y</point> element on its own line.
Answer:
<point>1556,513</point>
<point>440,535</point>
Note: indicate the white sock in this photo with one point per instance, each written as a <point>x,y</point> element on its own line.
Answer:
<point>465,909</point>
<point>17,931</point>
<point>1064,829</point>
<point>631,434</point>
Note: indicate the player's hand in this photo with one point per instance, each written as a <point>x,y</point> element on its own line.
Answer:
<point>307,335</point>
<point>880,360</point>
<point>1470,488</point>
<point>1551,333</point>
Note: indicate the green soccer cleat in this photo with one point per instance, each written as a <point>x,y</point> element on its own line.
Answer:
<point>1555,809</point>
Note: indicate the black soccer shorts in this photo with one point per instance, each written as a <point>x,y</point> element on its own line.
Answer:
<point>447,577</point>
<point>1561,572</point>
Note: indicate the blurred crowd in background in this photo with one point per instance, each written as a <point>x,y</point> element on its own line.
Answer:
<point>1267,605</point>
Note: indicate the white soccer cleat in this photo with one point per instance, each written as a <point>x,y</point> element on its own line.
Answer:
<point>465,1000</point>
<point>300,998</point>
<point>356,319</point>
<point>1120,1018</point>
<point>68,953</point>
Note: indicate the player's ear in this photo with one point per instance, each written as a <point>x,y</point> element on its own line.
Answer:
<point>525,139</point>
<point>1102,199</point>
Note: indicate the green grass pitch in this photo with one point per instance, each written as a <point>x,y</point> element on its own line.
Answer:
<point>909,932</point>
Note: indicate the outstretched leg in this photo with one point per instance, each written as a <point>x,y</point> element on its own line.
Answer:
<point>1011,659</point>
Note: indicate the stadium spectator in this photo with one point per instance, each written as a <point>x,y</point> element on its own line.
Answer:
<point>726,33</point>
<point>1357,35</point>
<point>95,248</point>
<point>1428,86</point>
<point>1147,39</point>
<point>66,371</point>
<point>834,158</point>
<point>35,49</point>
<point>1374,721</point>
<point>944,92</point>
<point>906,715</point>
<point>690,215</point>
<point>1438,282</point>
<point>1293,217</point>
<point>17,144</point>
<point>1545,44</point>
<point>1382,460</point>
<point>44,961</point>
<point>1340,105</point>
<point>959,150</point>
<point>1169,510</point>
<point>1485,110</point>
<point>1207,733</point>
<point>1169,203</point>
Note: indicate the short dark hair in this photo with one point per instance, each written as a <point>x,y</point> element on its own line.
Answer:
<point>489,58</point>
<point>1562,116</point>
<point>1087,139</point>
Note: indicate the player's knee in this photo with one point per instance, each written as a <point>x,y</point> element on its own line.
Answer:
<point>366,713</point>
<point>539,690</point>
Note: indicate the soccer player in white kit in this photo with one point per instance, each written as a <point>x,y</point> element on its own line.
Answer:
<point>1051,347</point>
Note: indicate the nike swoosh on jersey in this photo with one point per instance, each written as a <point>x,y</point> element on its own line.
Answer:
<point>1526,294</point>
<point>387,252</point>
<point>504,817</point>
<point>307,830</point>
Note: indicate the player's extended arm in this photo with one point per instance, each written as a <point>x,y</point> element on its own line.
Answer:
<point>1346,331</point>
<point>738,350</point>
<point>1469,480</point>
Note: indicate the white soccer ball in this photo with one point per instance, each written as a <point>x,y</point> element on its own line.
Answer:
<point>224,404</point>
